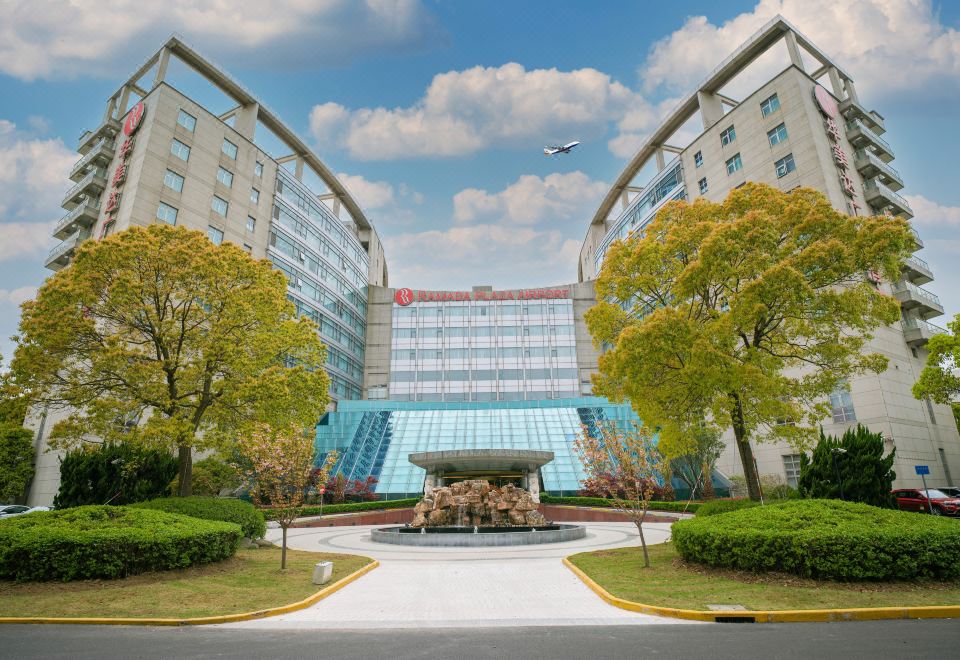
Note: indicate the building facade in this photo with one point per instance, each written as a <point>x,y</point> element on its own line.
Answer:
<point>801,127</point>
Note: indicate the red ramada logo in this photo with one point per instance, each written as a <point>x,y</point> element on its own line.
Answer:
<point>134,117</point>
<point>827,103</point>
<point>403,297</point>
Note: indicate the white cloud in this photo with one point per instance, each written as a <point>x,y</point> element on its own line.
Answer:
<point>32,180</point>
<point>48,38</point>
<point>18,295</point>
<point>531,200</point>
<point>931,214</point>
<point>369,194</point>
<point>462,112</point>
<point>888,46</point>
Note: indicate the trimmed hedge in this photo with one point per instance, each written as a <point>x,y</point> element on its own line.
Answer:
<point>725,506</point>
<point>825,539</point>
<point>354,507</point>
<point>246,515</point>
<point>674,507</point>
<point>90,542</point>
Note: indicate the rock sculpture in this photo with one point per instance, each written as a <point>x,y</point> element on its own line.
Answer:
<point>476,503</point>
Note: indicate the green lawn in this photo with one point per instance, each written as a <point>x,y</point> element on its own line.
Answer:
<point>251,580</point>
<point>671,582</point>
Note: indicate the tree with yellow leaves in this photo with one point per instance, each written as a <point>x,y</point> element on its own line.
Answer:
<point>748,312</point>
<point>158,337</point>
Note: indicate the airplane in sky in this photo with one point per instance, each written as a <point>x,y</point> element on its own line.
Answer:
<point>565,149</point>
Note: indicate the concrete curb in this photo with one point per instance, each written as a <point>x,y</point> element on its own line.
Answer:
<point>202,621</point>
<point>771,616</point>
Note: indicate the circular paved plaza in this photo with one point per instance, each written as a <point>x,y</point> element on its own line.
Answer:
<point>462,587</point>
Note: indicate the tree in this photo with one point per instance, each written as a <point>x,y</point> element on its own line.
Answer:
<point>701,449</point>
<point>940,378</point>
<point>753,310</point>
<point>628,462</point>
<point>16,461</point>
<point>279,471</point>
<point>852,468</point>
<point>114,473</point>
<point>156,336</point>
<point>13,406</point>
<point>212,475</point>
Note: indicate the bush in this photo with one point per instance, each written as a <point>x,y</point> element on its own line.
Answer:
<point>16,461</point>
<point>825,539</point>
<point>212,475</point>
<point>689,507</point>
<point>355,507</point>
<point>114,474</point>
<point>725,506</point>
<point>851,468</point>
<point>92,542</point>
<point>246,515</point>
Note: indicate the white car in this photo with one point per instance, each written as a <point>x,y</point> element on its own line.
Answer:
<point>11,510</point>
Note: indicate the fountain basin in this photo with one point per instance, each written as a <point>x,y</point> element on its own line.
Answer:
<point>466,537</point>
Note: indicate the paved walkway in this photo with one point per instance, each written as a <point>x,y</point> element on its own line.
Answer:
<point>461,587</point>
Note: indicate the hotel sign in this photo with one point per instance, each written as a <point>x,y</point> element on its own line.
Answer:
<point>405,297</point>
<point>831,112</point>
<point>130,125</point>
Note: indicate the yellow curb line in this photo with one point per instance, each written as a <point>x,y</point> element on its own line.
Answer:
<point>772,616</point>
<point>205,620</point>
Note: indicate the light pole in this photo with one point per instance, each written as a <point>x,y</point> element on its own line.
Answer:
<point>836,468</point>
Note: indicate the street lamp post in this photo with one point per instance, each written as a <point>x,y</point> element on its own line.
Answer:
<point>836,468</point>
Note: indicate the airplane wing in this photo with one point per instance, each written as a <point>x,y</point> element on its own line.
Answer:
<point>568,147</point>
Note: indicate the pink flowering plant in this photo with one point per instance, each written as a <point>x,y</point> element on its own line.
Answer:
<point>279,471</point>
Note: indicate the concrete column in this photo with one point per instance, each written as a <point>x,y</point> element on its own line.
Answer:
<point>245,122</point>
<point>111,109</point>
<point>794,50</point>
<point>851,90</point>
<point>124,99</point>
<point>336,206</point>
<point>162,62</point>
<point>624,200</point>
<point>835,83</point>
<point>298,172</point>
<point>711,108</point>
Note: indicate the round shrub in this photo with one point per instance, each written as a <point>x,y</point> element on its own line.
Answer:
<point>825,539</point>
<point>108,542</point>
<point>246,515</point>
<point>714,507</point>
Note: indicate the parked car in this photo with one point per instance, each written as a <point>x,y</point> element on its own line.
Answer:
<point>929,501</point>
<point>952,491</point>
<point>10,510</point>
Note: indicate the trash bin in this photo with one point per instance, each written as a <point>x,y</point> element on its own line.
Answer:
<point>322,572</point>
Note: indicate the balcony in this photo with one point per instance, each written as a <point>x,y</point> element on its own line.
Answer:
<point>90,186</point>
<point>880,197</point>
<point>870,166</point>
<point>916,270</point>
<point>862,137</point>
<point>916,239</point>
<point>917,332</point>
<point>60,255</point>
<point>100,154</point>
<point>912,297</point>
<point>84,215</point>
<point>108,129</point>
<point>853,110</point>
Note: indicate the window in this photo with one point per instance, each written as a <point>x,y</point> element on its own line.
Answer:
<point>841,406</point>
<point>229,148</point>
<point>187,120</point>
<point>777,135</point>
<point>703,185</point>
<point>785,165</point>
<point>219,205</point>
<point>173,180</point>
<point>215,235</point>
<point>254,195</point>
<point>791,469</point>
<point>167,213</point>
<point>180,150</point>
<point>772,104</point>
<point>728,136</point>
<point>225,177</point>
<point>734,164</point>
<point>698,159</point>
<point>258,169</point>
<point>251,223</point>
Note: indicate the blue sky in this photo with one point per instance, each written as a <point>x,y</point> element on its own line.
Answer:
<point>436,113</point>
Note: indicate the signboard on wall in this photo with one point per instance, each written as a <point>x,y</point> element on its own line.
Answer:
<point>405,297</point>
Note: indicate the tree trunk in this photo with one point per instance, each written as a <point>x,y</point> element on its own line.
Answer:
<point>643,541</point>
<point>283,550</point>
<point>185,454</point>
<point>744,449</point>
<point>708,492</point>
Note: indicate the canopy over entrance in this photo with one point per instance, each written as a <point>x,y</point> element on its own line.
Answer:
<point>495,465</point>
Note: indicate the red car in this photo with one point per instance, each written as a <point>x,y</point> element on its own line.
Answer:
<point>914,499</point>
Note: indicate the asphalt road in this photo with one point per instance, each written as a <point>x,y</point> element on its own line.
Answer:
<point>875,639</point>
